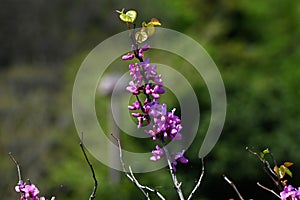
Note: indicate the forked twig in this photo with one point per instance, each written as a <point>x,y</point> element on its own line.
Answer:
<point>144,187</point>
<point>132,178</point>
<point>199,180</point>
<point>267,168</point>
<point>265,162</point>
<point>93,195</point>
<point>233,186</point>
<point>269,190</point>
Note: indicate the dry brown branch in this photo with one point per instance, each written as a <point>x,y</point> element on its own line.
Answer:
<point>93,194</point>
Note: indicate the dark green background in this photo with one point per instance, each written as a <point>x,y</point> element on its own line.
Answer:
<point>255,45</point>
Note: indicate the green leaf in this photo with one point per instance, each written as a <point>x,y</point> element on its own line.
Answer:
<point>128,17</point>
<point>150,30</point>
<point>281,171</point>
<point>266,151</point>
<point>141,36</point>
<point>132,14</point>
<point>262,155</point>
<point>288,172</point>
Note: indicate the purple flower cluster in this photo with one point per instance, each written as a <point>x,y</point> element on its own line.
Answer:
<point>157,153</point>
<point>290,193</point>
<point>165,124</point>
<point>146,81</point>
<point>29,191</point>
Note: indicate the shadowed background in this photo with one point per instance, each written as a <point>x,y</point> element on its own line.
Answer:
<point>255,44</point>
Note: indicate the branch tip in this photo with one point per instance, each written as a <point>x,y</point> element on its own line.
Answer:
<point>93,194</point>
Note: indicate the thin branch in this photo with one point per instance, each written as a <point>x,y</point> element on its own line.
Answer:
<point>93,195</point>
<point>273,158</point>
<point>265,162</point>
<point>132,178</point>
<point>267,168</point>
<point>269,190</point>
<point>17,165</point>
<point>199,180</point>
<point>233,186</point>
<point>177,184</point>
<point>144,187</point>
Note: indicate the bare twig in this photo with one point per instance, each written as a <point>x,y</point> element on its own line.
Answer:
<point>267,168</point>
<point>93,195</point>
<point>265,162</point>
<point>18,168</point>
<point>177,184</point>
<point>233,186</point>
<point>144,187</point>
<point>132,178</point>
<point>17,165</point>
<point>199,180</point>
<point>269,190</point>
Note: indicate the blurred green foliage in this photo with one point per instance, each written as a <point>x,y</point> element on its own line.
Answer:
<point>255,44</point>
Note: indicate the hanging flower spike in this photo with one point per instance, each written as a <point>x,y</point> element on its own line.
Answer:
<point>128,17</point>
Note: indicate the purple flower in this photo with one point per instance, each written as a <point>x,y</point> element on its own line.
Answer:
<point>128,56</point>
<point>135,106</point>
<point>135,72</point>
<point>157,154</point>
<point>29,192</point>
<point>20,187</point>
<point>154,90</point>
<point>289,192</point>
<point>146,47</point>
<point>174,124</point>
<point>132,88</point>
<point>179,158</point>
<point>157,110</point>
<point>166,125</point>
<point>142,119</point>
<point>150,72</point>
<point>141,53</point>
